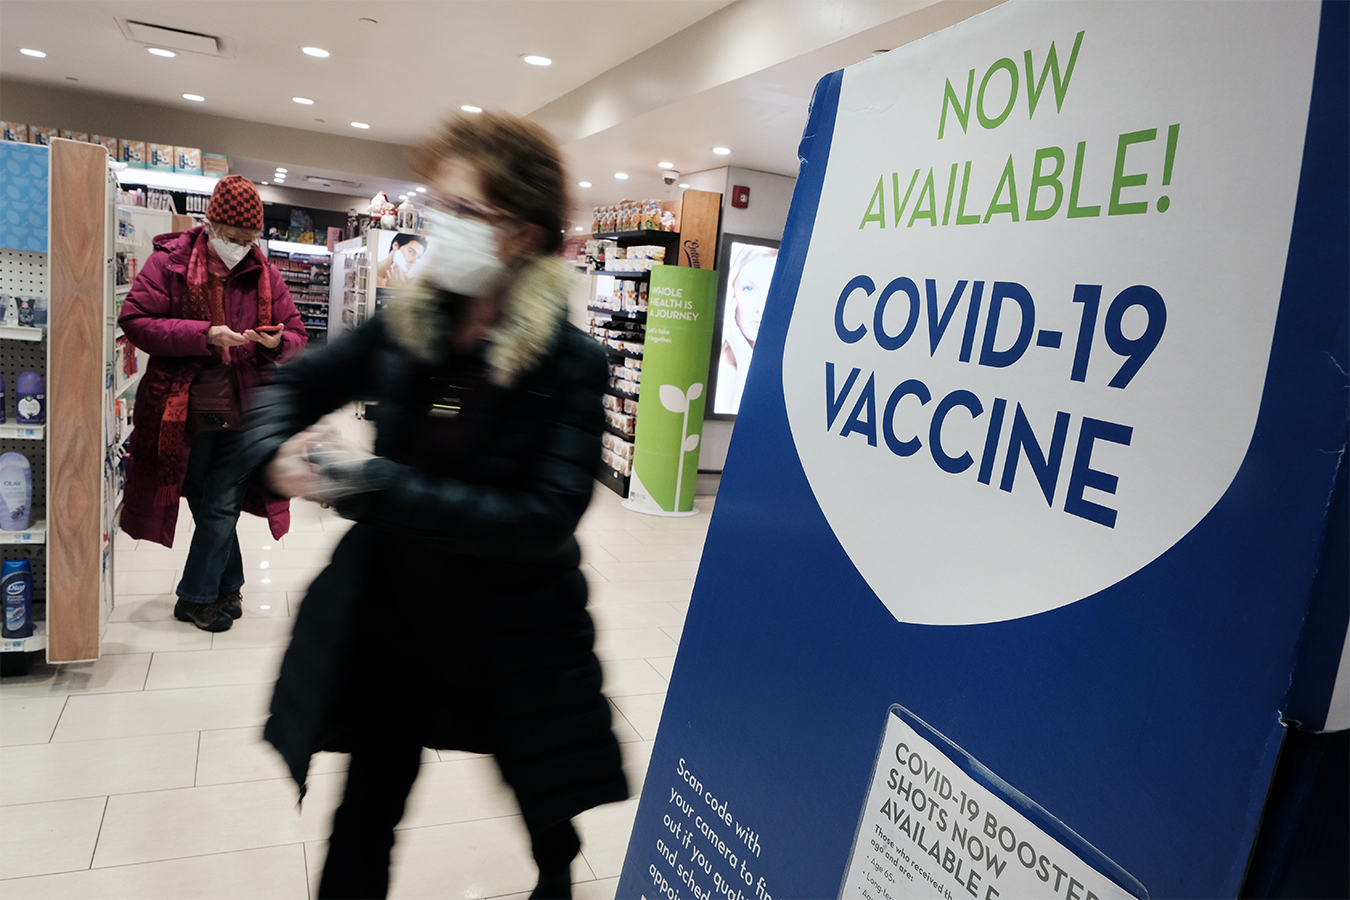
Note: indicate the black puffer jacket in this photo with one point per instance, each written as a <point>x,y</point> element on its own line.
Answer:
<point>469,576</point>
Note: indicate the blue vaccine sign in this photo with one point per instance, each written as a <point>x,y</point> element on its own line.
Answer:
<point>1012,585</point>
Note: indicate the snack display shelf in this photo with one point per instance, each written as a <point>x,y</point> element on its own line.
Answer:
<point>632,315</point>
<point>36,533</point>
<point>640,233</point>
<point>631,276</point>
<point>23,432</point>
<point>624,395</point>
<point>617,433</point>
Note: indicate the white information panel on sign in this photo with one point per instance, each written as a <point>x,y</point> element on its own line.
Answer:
<point>931,831</point>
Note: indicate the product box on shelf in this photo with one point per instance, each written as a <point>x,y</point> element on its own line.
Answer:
<point>133,153</point>
<point>69,135</point>
<point>42,134</point>
<point>15,131</point>
<point>187,160</point>
<point>215,164</point>
<point>161,157</point>
<point>111,144</point>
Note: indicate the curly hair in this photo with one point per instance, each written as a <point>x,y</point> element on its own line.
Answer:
<point>520,163</point>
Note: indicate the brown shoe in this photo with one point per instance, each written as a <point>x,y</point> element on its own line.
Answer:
<point>206,616</point>
<point>231,604</point>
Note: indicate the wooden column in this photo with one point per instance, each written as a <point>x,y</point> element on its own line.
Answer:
<point>75,396</point>
<point>700,212</point>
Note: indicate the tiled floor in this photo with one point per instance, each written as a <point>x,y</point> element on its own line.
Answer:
<point>143,775</point>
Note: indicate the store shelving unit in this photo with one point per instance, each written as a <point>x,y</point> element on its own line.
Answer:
<point>65,252</point>
<point>307,274</point>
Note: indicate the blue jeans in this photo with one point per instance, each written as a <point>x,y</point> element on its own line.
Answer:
<point>214,493</point>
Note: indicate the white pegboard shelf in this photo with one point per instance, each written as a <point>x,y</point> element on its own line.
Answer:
<point>29,644</point>
<point>36,534</point>
<point>23,432</point>
<point>22,332</point>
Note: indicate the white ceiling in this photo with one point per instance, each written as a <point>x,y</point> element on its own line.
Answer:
<point>632,81</point>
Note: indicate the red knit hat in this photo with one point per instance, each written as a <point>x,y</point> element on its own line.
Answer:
<point>235,201</point>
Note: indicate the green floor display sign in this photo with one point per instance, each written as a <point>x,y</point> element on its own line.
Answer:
<point>680,311</point>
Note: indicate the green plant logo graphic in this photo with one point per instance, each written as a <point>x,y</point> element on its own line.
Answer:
<point>678,401</point>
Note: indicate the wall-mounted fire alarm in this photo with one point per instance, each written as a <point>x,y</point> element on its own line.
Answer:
<point>740,196</point>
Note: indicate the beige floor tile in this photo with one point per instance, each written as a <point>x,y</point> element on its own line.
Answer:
<point>592,574</point>
<point>674,631</point>
<point>165,561</point>
<point>259,540</point>
<point>651,537</point>
<point>635,614</point>
<point>65,771</point>
<point>43,838</point>
<point>279,579</point>
<point>337,525</point>
<point>28,720</point>
<point>593,553</point>
<point>622,591</point>
<point>270,873</point>
<point>471,859</point>
<point>159,581</point>
<point>643,711</point>
<point>648,571</point>
<point>314,558</point>
<point>255,632</point>
<point>681,607</point>
<point>600,889</point>
<point>448,755</point>
<point>458,791</point>
<point>625,677</point>
<point>101,716</point>
<point>313,540</point>
<point>123,542</point>
<point>153,636</point>
<point>231,755</point>
<point>604,836</point>
<point>633,643</point>
<point>667,552</point>
<point>112,672</point>
<point>637,756</point>
<point>664,666</point>
<point>196,821</point>
<point>209,668</point>
<point>623,730</point>
<point>604,534</point>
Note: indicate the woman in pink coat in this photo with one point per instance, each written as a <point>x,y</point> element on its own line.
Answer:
<point>207,297</point>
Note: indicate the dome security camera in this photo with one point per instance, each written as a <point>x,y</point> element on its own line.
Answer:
<point>670,176</point>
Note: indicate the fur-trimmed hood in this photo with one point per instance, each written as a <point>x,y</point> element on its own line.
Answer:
<point>534,310</point>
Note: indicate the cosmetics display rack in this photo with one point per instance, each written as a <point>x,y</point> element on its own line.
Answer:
<point>65,250</point>
<point>307,277</point>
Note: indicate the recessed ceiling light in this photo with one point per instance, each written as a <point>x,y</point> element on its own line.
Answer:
<point>360,125</point>
<point>315,51</point>
<point>421,190</point>
<point>721,151</point>
<point>622,176</point>
<point>39,54</point>
<point>685,186</point>
<point>538,60</point>
<point>665,165</point>
<point>281,171</point>
<point>580,228</point>
<point>305,101</point>
<point>157,51</point>
<point>196,97</point>
<point>403,196</point>
<point>262,182</point>
<point>583,184</point>
<point>471,109</point>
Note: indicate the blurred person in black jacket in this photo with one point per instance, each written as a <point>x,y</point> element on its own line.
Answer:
<point>462,558</point>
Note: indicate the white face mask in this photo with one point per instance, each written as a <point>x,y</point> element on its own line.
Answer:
<point>230,254</point>
<point>465,254</point>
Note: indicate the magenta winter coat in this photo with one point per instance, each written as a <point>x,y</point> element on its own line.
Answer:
<point>177,346</point>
